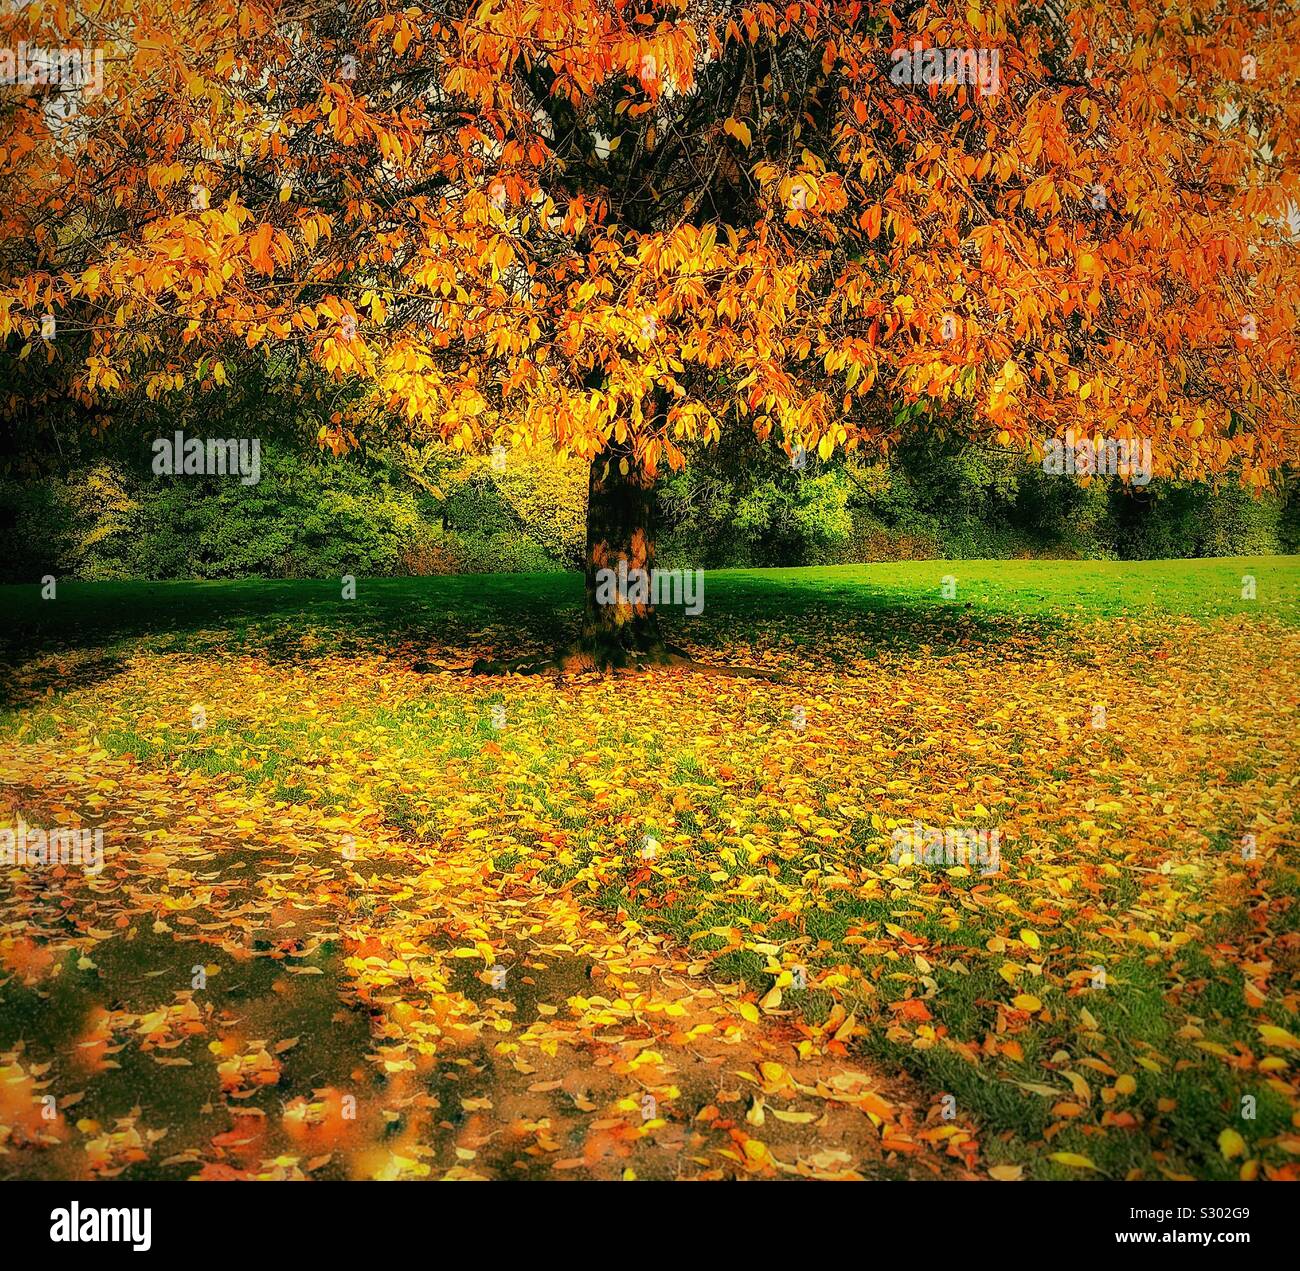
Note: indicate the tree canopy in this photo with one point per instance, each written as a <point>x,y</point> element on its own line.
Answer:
<point>622,227</point>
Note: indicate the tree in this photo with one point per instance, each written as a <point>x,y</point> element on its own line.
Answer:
<point>623,226</point>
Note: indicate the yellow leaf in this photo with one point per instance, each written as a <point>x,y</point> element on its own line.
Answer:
<point>1073,1159</point>
<point>1026,1002</point>
<point>734,128</point>
<point>1275,1036</point>
<point>1231,1144</point>
<point>1007,1173</point>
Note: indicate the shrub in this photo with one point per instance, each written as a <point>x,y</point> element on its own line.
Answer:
<point>307,517</point>
<point>740,504</point>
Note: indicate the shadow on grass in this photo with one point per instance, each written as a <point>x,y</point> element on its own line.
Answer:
<point>827,622</point>
<point>145,973</point>
<point>449,619</point>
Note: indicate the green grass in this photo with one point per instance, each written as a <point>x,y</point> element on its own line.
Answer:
<point>542,608</point>
<point>803,619</point>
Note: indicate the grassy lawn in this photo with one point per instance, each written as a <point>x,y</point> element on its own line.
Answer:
<point>402,609</point>
<point>441,896</point>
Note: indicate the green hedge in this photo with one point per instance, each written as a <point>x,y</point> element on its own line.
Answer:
<point>308,517</point>
<point>744,504</point>
<point>747,505</point>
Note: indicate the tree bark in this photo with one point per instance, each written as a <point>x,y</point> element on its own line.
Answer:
<point>618,630</point>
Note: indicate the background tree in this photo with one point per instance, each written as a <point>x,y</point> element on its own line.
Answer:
<point>624,227</point>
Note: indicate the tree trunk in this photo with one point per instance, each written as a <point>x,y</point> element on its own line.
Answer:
<point>618,628</point>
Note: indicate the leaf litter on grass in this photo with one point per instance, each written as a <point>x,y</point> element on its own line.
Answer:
<point>646,928</point>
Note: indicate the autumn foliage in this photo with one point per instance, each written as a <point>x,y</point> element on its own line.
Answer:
<point>622,227</point>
